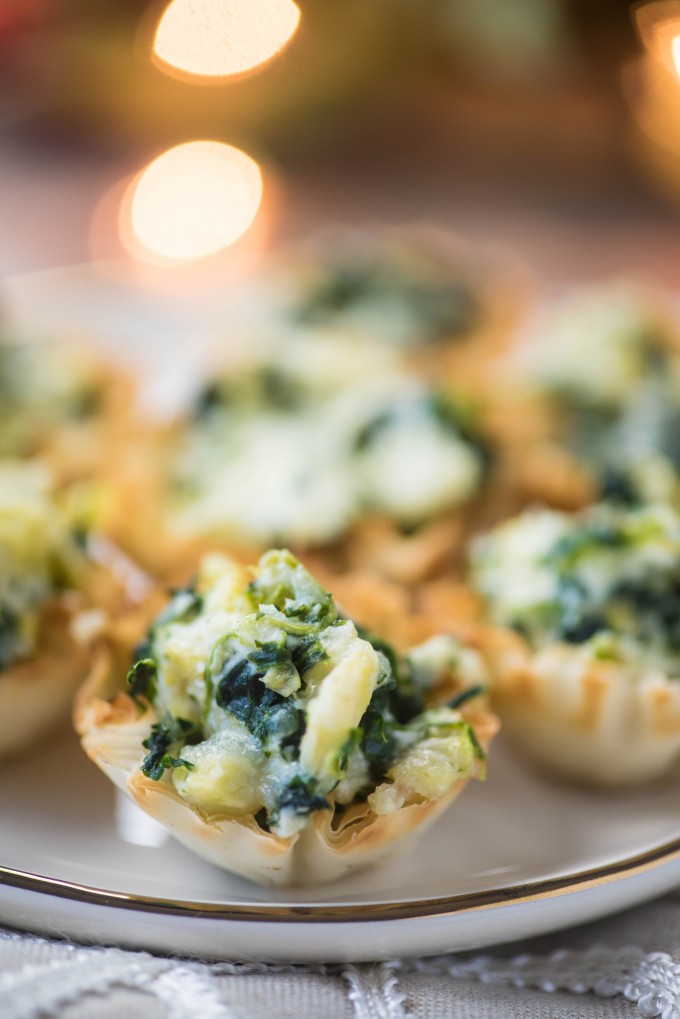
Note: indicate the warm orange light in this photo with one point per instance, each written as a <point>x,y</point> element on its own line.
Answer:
<point>216,38</point>
<point>675,50</point>
<point>194,200</point>
<point>658,26</point>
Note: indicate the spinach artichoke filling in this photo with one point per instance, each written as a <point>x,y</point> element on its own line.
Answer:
<point>272,705</point>
<point>608,580</point>
<point>266,460</point>
<point>394,292</point>
<point>40,388</point>
<point>633,449</point>
<point>614,380</point>
<point>39,556</point>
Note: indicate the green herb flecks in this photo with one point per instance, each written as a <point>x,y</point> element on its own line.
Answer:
<point>164,736</point>
<point>466,695</point>
<point>185,605</point>
<point>142,679</point>
<point>299,797</point>
<point>268,715</point>
<point>307,653</point>
<point>290,597</point>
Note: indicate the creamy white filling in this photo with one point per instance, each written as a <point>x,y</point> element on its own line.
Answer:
<point>512,568</point>
<point>592,344</point>
<point>305,477</point>
<point>508,567</point>
<point>36,546</point>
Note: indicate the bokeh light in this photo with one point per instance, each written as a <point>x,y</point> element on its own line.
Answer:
<point>194,200</point>
<point>675,48</point>
<point>219,38</point>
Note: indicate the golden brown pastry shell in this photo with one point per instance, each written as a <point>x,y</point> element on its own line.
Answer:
<point>36,692</point>
<point>112,726</point>
<point>584,719</point>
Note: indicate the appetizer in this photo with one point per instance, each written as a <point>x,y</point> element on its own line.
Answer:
<point>395,289</point>
<point>445,307</point>
<point>383,470</point>
<point>45,618</point>
<point>62,403</point>
<point>273,737</point>
<point>600,408</point>
<point>307,469</point>
<point>585,657</point>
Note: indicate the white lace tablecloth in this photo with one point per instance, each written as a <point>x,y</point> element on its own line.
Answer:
<point>625,966</point>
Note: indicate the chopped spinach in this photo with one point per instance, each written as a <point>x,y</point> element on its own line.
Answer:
<point>290,596</point>
<point>655,606</point>
<point>352,741</point>
<point>439,306</point>
<point>185,605</point>
<point>268,654</point>
<point>9,636</point>
<point>268,715</point>
<point>568,550</point>
<point>379,644</point>
<point>256,675</point>
<point>477,747</point>
<point>145,647</point>
<point>165,735</point>
<point>212,397</point>
<point>280,390</point>
<point>369,432</point>
<point>391,708</point>
<point>439,408</point>
<point>577,619</point>
<point>617,486</point>
<point>261,819</point>
<point>300,797</point>
<point>466,695</point>
<point>307,653</point>
<point>378,739</point>
<point>342,287</point>
<point>142,679</point>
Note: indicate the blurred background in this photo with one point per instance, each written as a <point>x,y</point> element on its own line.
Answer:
<point>551,127</point>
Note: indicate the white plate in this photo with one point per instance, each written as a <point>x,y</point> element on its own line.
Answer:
<point>514,857</point>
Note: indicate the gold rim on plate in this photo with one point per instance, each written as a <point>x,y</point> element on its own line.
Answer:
<point>531,891</point>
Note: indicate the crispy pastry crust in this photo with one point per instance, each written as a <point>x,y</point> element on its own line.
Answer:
<point>112,728</point>
<point>134,518</point>
<point>582,719</point>
<point>135,515</point>
<point>36,693</point>
<point>502,283</point>
<point>532,431</point>
<point>75,450</point>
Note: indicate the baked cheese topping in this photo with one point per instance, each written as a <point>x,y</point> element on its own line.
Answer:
<point>594,347</point>
<point>271,704</point>
<point>38,555</point>
<point>394,290</point>
<point>267,458</point>
<point>607,581</point>
<point>41,387</point>
<point>606,363</point>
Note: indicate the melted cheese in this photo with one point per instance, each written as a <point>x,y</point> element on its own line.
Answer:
<point>37,550</point>
<point>306,474</point>
<point>271,690</point>
<point>592,345</point>
<point>340,700</point>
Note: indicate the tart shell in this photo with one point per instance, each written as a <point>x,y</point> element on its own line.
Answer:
<point>583,719</point>
<point>112,727</point>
